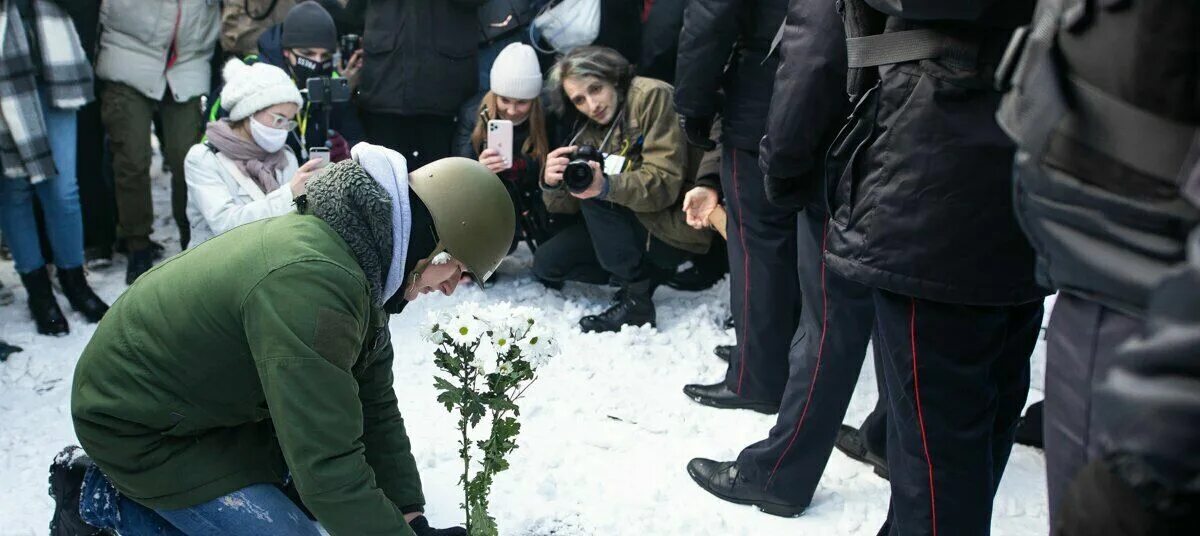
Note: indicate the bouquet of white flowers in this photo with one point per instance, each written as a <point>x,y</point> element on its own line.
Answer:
<point>491,355</point>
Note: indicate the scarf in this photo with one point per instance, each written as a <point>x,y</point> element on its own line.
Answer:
<point>65,80</point>
<point>251,159</point>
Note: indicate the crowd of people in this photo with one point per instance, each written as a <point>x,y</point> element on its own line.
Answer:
<point>913,176</point>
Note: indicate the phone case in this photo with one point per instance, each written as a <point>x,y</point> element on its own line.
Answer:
<point>500,138</point>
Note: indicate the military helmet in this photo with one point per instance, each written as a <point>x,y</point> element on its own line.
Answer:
<point>472,213</point>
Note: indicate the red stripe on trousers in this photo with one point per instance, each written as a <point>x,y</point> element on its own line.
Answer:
<point>812,382</point>
<point>912,334</point>
<point>737,192</point>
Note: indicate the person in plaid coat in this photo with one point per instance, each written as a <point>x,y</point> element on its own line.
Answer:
<point>44,78</point>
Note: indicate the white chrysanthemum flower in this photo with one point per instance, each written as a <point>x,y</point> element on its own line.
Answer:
<point>538,349</point>
<point>486,359</point>
<point>505,368</point>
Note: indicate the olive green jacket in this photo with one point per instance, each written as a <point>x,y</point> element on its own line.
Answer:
<point>658,173</point>
<point>257,349</point>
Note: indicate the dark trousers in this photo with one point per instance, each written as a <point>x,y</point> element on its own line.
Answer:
<point>764,289</point>
<point>96,195</point>
<point>1081,345</point>
<point>957,377</point>
<point>420,138</point>
<point>610,245</point>
<point>127,115</point>
<point>836,325</point>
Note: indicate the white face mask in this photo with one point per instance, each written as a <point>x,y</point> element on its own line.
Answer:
<point>269,138</point>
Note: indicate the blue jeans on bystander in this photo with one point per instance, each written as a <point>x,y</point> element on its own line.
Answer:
<point>60,202</point>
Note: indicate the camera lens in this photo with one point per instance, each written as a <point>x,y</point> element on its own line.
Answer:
<point>577,176</point>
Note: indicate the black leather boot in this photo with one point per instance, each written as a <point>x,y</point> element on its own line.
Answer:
<point>722,479</point>
<point>139,261</point>
<point>725,352</point>
<point>42,305</point>
<point>632,306</point>
<point>851,443</point>
<point>77,291</point>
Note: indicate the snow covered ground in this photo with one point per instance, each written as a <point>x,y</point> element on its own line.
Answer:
<point>606,430</point>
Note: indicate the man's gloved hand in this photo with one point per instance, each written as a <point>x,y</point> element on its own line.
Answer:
<point>789,192</point>
<point>697,130</point>
<point>420,525</point>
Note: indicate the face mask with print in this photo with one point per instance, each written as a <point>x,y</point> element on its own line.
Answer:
<point>306,68</point>
<point>269,138</point>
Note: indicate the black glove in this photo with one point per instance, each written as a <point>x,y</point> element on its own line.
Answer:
<point>697,130</point>
<point>420,525</point>
<point>789,192</point>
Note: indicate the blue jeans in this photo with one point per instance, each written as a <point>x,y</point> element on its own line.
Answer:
<point>60,202</point>
<point>255,510</point>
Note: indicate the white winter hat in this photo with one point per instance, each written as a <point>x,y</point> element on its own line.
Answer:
<point>250,88</point>
<point>516,73</point>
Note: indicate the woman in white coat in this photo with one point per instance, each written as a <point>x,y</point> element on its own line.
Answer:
<point>243,171</point>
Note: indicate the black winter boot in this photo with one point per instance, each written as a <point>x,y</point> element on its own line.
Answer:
<point>632,306</point>
<point>42,305</point>
<point>723,480</point>
<point>725,352</point>
<point>75,287</point>
<point>66,481</point>
<point>139,261</point>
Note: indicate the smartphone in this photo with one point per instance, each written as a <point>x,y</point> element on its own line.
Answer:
<point>500,138</point>
<point>321,153</point>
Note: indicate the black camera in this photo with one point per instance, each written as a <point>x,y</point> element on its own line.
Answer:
<point>578,175</point>
<point>349,43</point>
<point>324,90</point>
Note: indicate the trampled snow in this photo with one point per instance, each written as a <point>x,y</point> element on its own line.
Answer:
<point>606,433</point>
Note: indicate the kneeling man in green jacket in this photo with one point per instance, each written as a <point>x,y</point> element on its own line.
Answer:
<point>258,365</point>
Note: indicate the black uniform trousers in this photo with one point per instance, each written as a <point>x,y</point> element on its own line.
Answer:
<point>837,318</point>
<point>957,377</point>
<point>764,288</point>
<point>610,245</point>
<point>420,138</point>
<point>1081,346</point>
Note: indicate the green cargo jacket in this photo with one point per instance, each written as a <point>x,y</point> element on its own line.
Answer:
<point>254,354</point>
<point>657,175</point>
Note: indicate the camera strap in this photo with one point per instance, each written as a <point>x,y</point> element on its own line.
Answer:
<point>612,128</point>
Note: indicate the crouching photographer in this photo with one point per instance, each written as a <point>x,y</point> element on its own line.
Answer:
<point>624,169</point>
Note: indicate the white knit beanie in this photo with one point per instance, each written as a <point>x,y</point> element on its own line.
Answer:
<point>516,73</point>
<point>250,88</point>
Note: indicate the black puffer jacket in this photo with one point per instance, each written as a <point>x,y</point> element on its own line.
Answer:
<point>809,101</point>
<point>924,207</point>
<point>1105,229</point>
<point>420,55</point>
<point>712,30</point>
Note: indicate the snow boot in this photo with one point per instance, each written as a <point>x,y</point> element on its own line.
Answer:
<point>79,294</point>
<point>66,481</point>
<point>632,306</point>
<point>42,304</point>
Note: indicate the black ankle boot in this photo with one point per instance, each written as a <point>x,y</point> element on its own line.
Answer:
<point>139,261</point>
<point>42,305</point>
<point>75,287</point>
<point>632,306</point>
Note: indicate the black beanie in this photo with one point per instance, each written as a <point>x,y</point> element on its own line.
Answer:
<point>308,25</point>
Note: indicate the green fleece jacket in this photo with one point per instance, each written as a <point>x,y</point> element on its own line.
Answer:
<point>255,354</point>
